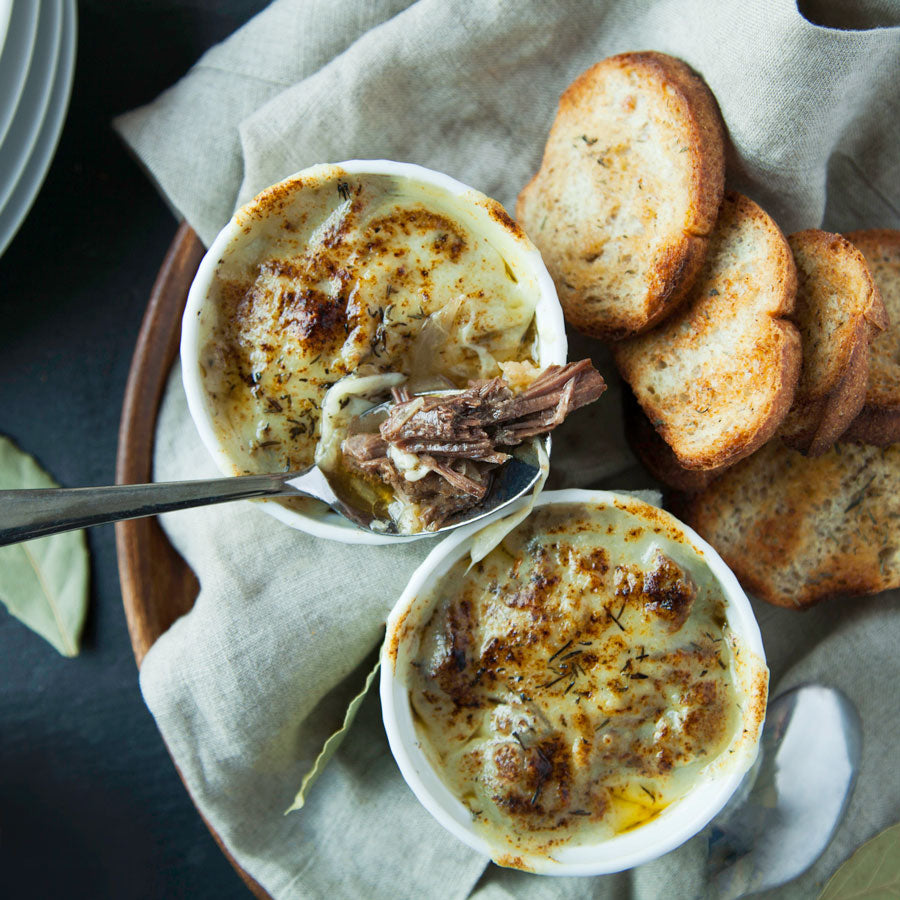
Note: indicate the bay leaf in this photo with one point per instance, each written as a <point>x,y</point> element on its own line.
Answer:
<point>43,582</point>
<point>872,873</point>
<point>330,747</point>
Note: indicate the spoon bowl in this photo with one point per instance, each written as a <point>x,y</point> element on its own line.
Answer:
<point>791,802</point>
<point>511,480</point>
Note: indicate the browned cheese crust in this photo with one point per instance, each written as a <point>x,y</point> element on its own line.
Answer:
<point>879,420</point>
<point>838,309</point>
<point>627,192</point>
<point>718,378</point>
<point>796,530</point>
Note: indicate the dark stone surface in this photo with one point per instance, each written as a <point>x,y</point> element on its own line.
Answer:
<point>90,803</point>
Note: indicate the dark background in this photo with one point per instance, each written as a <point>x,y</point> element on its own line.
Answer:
<point>90,803</point>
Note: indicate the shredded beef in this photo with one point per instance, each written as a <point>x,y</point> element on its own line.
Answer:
<point>474,422</point>
<point>459,437</point>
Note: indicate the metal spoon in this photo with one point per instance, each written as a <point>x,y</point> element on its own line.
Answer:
<point>27,514</point>
<point>791,802</point>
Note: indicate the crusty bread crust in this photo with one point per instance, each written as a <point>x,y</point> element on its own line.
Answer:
<point>838,308</point>
<point>796,530</point>
<point>718,378</point>
<point>879,427</point>
<point>879,420</point>
<point>628,191</point>
<point>656,455</point>
<point>814,426</point>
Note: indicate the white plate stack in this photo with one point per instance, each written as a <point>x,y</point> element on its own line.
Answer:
<point>37,62</point>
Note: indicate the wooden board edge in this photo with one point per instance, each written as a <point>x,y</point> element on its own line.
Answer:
<point>168,581</point>
<point>171,587</point>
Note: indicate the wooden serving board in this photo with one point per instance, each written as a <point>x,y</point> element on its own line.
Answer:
<point>157,585</point>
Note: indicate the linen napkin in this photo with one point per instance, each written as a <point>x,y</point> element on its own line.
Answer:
<point>246,688</point>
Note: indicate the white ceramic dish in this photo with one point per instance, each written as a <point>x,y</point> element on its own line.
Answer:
<point>26,124</point>
<point>671,828</point>
<point>15,60</point>
<point>552,345</point>
<point>5,15</point>
<point>29,182</point>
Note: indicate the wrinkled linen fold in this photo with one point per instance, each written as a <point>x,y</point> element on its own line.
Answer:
<point>247,687</point>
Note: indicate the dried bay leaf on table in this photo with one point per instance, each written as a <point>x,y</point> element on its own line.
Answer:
<point>872,873</point>
<point>43,582</point>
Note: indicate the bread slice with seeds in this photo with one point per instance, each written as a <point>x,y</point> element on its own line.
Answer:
<point>628,191</point>
<point>796,530</point>
<point>838,308</point>
<point>718,377</point>
<point>879,421</point>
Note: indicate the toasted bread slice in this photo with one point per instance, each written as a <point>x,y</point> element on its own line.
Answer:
<point>628,191</point>
<point>718,377</point>
<point>656,455</point>
<point>879,421</point>
<point>838,308</point>
<point>796,530</point>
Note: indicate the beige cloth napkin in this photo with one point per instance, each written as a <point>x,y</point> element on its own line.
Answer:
<point>247,686</point>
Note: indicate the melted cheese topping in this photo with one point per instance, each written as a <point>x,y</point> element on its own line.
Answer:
<point>362,274</point>
<point>348,398</point>
<point>579,679</point>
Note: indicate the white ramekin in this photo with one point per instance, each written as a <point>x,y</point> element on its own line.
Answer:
<point>671,828</point>
<point>484,213</point>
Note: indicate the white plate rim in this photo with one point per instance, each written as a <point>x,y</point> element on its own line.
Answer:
<point>32,177</point>
<point>6,8</point>
<point>16,61</point>
<point>17,148</point>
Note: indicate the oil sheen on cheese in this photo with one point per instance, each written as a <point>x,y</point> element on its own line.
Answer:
<point>579,679</point>
<point>364,274</point>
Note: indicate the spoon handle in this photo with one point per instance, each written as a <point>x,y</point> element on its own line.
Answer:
<point>26,514</point>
